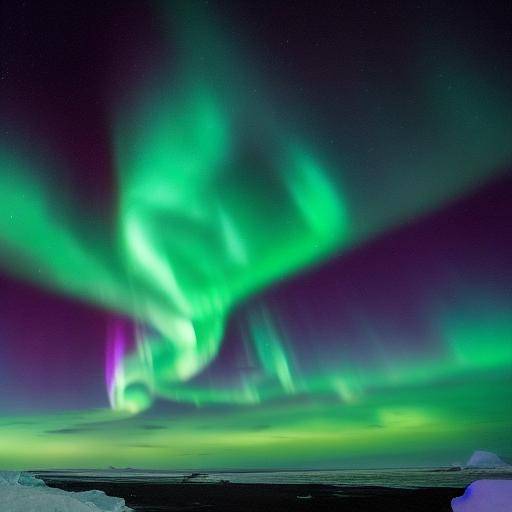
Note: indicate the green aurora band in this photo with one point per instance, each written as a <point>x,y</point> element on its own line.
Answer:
<point>218,198</point>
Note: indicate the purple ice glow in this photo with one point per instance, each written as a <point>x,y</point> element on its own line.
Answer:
<point>485,496</point>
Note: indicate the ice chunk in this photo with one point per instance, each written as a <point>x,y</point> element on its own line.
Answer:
<point>9,477</point>
<point>485,496</point>
<point>16,477</point>
<point>21,492</point>
<point>485,460</point>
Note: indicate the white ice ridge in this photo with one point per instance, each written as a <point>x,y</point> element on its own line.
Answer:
<point>20,492</point>
<point>485,460</point>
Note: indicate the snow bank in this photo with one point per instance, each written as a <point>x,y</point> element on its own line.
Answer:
<point>485,460</point>
<point>20,492</point>
<point>485,496</point>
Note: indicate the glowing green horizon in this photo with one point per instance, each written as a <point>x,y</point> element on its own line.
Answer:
<point>425,426</point>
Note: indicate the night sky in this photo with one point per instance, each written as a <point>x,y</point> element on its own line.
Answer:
<point>254,234</point>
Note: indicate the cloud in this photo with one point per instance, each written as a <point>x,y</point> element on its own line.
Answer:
<point>70,430</point>
<point>144,445</point>
<point>259,428</point>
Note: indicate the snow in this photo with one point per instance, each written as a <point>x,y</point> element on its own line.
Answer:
<point>485,460</point>
<point>485,496</point>
<point>20,492</point>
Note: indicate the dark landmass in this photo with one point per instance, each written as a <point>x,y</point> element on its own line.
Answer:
<point>228,497</point>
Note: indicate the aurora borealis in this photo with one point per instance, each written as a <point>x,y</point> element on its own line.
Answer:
<point>229,242</point>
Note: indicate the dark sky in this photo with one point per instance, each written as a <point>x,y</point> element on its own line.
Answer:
<point>409,103</point>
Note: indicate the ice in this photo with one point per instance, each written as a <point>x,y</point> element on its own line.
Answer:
<point>21,492</point>
<point>16,477</point>
<point>485,496</point>
<point>487,460</point>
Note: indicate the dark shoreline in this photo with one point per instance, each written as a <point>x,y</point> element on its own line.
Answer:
<point>158,497</point>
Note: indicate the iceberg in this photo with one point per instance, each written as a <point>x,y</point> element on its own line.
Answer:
<point>485,496</point>
<point>485,460</point>
<point>22,492</point>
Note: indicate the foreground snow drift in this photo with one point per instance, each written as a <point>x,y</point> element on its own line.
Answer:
<point>20,492</point>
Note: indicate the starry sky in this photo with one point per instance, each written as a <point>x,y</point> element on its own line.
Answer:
<point>275,235</point>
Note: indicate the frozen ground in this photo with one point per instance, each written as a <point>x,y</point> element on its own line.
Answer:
<point>393,478</point>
